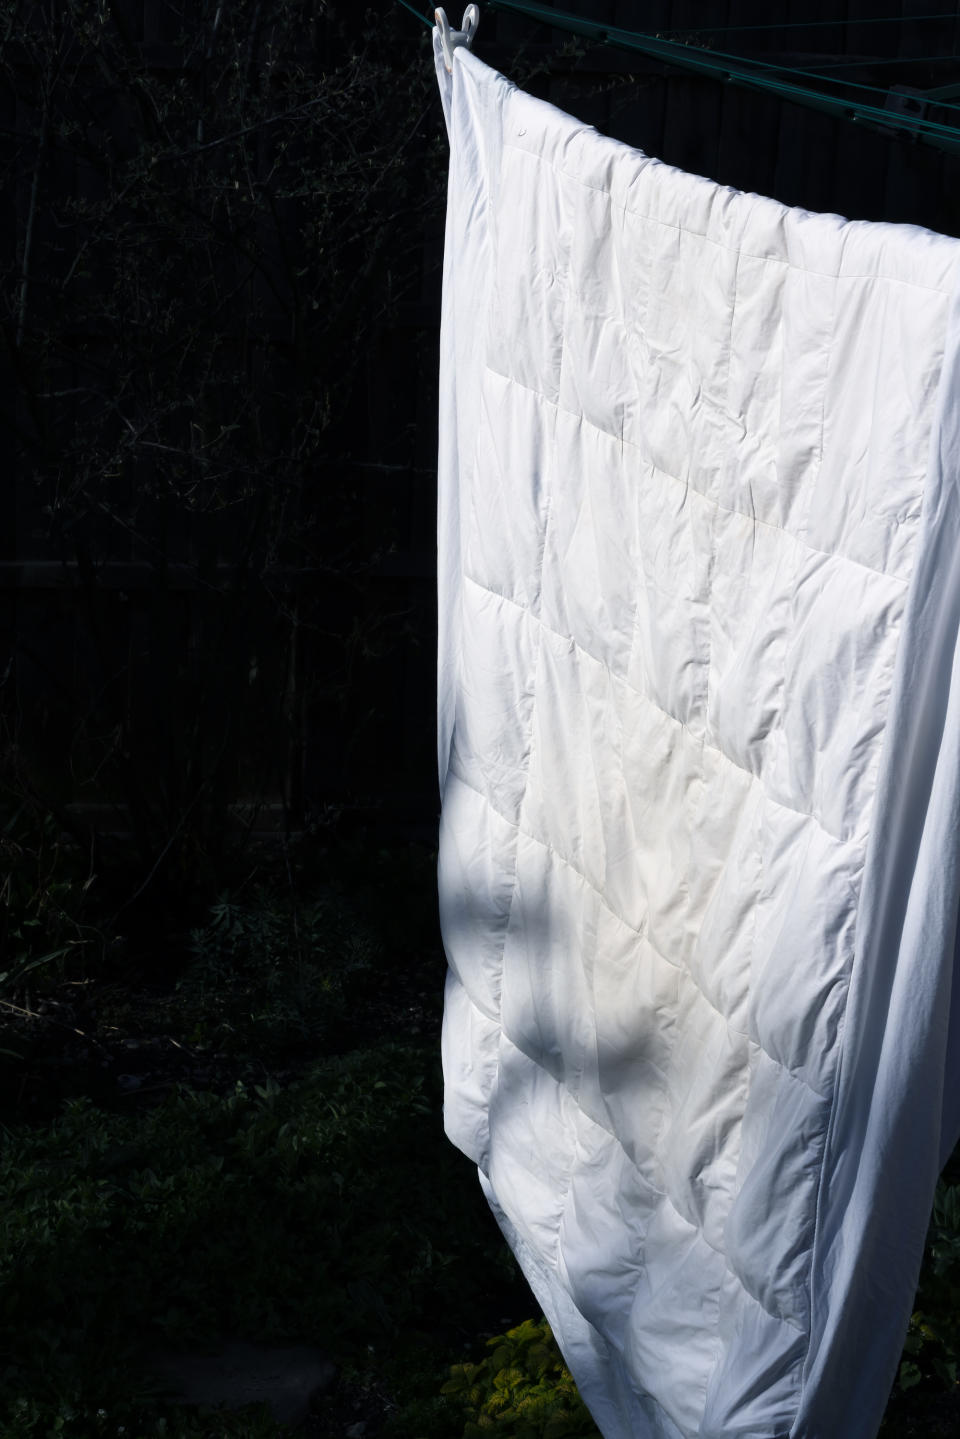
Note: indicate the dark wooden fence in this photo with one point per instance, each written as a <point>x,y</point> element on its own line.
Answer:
<point>368,745</point>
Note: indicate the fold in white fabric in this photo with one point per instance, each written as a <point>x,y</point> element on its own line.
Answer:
<point>699,743</point>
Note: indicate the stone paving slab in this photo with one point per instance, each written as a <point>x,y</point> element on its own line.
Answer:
<point>287,1379</point>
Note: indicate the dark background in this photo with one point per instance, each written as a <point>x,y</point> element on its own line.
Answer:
<point>220,300</point>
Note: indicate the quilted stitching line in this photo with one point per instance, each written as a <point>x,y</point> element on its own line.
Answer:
<point>708,499</point>
<point>824,384</point>
<point>526,783</point>
<point>640,934</point>
<point>667,714</point>
<point>453,766</point>
<point>711,239</point>
<point>563,276</point>
<point>535,1059</point>
<point>711,571</point>
<point>634,630</point>
<point>611,1346</point>
<point>891,279</point>
<point>662,1194</point>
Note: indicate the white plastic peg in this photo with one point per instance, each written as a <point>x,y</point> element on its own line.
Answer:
<point>450,39</point>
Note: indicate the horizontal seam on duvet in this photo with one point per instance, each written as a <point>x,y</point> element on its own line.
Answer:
<point>707,499</point>
<point>709,239</point>
<point>640,934</point>
<point>661,1193</point>
<point>714,749</point>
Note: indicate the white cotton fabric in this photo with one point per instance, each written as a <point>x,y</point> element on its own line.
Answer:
<point>699,734</point>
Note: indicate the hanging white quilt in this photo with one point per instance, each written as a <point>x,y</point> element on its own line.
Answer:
<point>699,748</point>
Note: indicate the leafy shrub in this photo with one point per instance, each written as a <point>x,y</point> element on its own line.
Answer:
<point>43,904</point>
<point>332,1211</point>
<point>522,1390</point>
<point>216,241</point>
<point>932,1347</point>
<point>277,970</point>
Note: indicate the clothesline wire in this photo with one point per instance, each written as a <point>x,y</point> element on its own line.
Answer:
<point>711,62</point>
<point>892,60</point>
<point>737,70</point>
<point>812,24</point>
<point>710,59</point>
<point>417,13</point>
<point>808,74</point>
<point>801,70</point>
<point>801,25</point>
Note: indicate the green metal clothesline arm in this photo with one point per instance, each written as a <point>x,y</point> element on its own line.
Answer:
<point>413,11</point>
<point>699,61</point>
<point>942,92</point>
<point>822,24</point>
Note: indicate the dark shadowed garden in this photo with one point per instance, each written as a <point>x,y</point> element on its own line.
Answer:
<point>228,1205</point>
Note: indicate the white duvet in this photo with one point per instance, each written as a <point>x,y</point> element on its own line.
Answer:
<point>699,733</point>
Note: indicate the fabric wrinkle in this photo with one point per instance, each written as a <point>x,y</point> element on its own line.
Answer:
<point>698,504</point>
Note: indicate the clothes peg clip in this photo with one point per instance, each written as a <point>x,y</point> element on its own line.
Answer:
<point>450,39</point>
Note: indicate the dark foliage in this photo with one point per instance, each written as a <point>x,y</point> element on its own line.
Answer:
<point>215,224</point>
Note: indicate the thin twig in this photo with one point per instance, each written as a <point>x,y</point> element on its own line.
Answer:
<point>163,853</point>
<point>31,216</point>
<point>33,1014</point>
